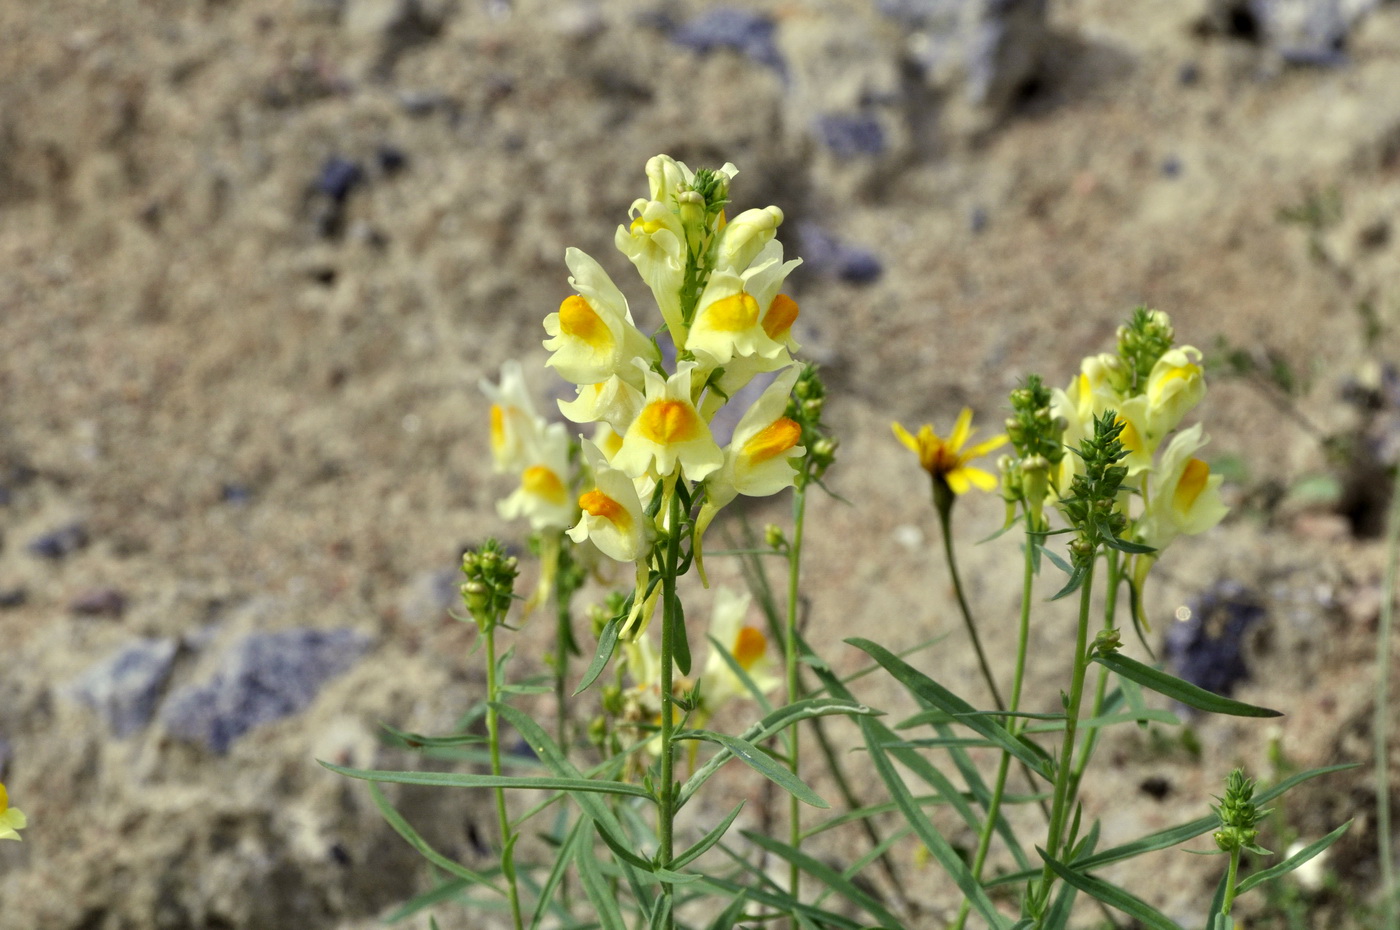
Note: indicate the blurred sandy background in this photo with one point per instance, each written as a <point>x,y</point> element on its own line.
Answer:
<point>255,257</point>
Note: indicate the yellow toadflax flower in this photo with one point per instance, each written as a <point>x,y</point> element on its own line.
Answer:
<point>669,432</point>
<point>945,459</point>
<point>741,314</point>
<point>12,819</point>
<point>592,336</point>
<point>746,645</point>
<point>612,514</point>
<point>543,494</point>
<point>514,422</point>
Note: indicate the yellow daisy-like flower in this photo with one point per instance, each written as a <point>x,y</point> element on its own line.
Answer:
<point>12,819</point>
<point>946,459</point>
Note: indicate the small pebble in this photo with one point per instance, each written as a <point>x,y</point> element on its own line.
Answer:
<point>977,219</point>
<point>338,177</point>
<point>99,602</point>
<point>1171,166</point>
<point>59,543</point>
<point>1189,74</point>
<point>391,160</point>
<point>11,598</point>
<point>235,493</point>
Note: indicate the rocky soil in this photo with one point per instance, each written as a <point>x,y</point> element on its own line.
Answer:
<point>255,257</point>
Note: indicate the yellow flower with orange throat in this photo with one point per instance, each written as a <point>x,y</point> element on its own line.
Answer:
<point>946,460</point>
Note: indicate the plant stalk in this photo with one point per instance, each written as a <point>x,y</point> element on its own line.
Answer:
<point>794,686</point>
<point>494,739</point>
<point>670,626</point>
<point>1063,797</point>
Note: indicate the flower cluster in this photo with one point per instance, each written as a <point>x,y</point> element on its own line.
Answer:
<point>717,285</point>
<point>1149,386</point>
<point>525,445</point>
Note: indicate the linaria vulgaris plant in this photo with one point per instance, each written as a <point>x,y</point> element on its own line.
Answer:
<point>1100,477</point>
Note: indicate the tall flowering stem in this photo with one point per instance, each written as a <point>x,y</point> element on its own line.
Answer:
<point>1091,509</point>
<point>487,594</point>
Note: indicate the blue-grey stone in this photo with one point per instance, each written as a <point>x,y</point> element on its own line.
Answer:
<point>61,542</point>
<point>1207,648</point>
<point>262,678</point>
<point>826,254</point>
<point>850,134</point>
<point>125,687</point>
<point>744,31</point>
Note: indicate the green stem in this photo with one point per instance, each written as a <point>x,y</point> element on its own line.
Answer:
<point>984,839</point>
<point>493,737</point>
<point>670,627</point>
<point>1101,685</point>
<point>943,503</point>
<point>1381,727</point>
<point>794,686</point>
<point>1063,798</point>
<point>1229,900</point>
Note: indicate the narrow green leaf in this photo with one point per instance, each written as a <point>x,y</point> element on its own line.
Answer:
<point>1173,836</point>
<point>937,695</point>
<point>411,740</point>
<point>760,762</point>
<point>705,842</point>
<point>728,919</point>
<point>1217,901</point>
<point>1056,560</point>
<point>1124,545</point>
<point>1111,895</point>
<point>825,874</point>
<point>679,640</point>
<point>771,725</point>
<point>1108,720</point>
<point>607,642</point>
<point>404,829</point>
<point>1293,861</point>
<point>602,897</point>
<point>782,902</point>
<point>1179,690</point>
<point>1076,578</point>
<point>937,846</point>
<point>449,890</point>
<point>563,855</point>
<point>466,780</point>
<point>605,824</point>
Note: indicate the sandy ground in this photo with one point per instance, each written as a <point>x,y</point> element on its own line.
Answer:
<point>259,399</point>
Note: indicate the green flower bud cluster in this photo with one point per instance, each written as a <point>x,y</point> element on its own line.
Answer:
<point>1142,341</point>
<point>713,188</point>
<point>1036,435</point>
<point>490,583</point>
<point>1092,505</point>
<point>1239,816</point>
<point>805,409</point>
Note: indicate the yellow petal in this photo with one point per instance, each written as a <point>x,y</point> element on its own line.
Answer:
<point>982,448</point>
<point>957,480</point>
<point>903,436</point>
<point>984,480</point>
<point>961,430</point>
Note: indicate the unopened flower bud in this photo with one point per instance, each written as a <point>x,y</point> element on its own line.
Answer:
<point>773,536</point>
<point>477,597</point>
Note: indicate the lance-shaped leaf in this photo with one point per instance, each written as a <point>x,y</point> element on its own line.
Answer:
<point>1183,691</point>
